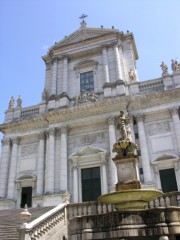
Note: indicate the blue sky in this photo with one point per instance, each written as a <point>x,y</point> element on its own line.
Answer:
<point>29,27</point>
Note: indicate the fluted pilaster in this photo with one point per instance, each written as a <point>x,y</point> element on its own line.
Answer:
<point>40,164</point>
<point>49,180</point>
<point>118,62</point>
<point>176,122</point>
<point>105,64</point>
<point>12,170</point>
<point>65,73</point>
<point>144,149</point>
<point>112,141</point>
<point>4,166</point>
<point>63,161</point>
<point>54,76</point>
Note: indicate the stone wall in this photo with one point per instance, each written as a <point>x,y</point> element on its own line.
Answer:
<point>131,224</point>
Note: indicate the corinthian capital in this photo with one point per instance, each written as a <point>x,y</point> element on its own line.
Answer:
<point>139,117</point>
<point>52,131</point>
<point>111,121</point>
<point>6,141</point>
<point>41,135</point>
<point>173,110</point>
<point>16,140</point>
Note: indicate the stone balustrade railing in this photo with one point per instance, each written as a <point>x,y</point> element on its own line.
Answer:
<point>87,208</point>
<point>168,199</point>
<point>28,112</point>
<point>42,226</point>
<point>147,86</point>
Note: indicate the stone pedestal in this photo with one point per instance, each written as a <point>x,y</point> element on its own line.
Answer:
<point>127,172</point>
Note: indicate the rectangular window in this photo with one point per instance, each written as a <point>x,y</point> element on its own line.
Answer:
<point>87,81</point>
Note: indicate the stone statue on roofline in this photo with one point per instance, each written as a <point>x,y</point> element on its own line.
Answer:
<point>19,101</point>
<point>164,68</point>
<point>175,66</point>
<point>11,103</point>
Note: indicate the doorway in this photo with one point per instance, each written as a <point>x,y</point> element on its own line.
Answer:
<point>168,180</point>
<point>26,196</point>
<point>91,184</point>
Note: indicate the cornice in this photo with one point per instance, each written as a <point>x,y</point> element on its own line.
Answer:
<point>89,111</point>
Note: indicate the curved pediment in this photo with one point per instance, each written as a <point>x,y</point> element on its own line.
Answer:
<point>165,157</point>
<point>26,177</point>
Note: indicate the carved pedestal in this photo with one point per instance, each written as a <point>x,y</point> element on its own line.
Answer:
<point>127,172</point>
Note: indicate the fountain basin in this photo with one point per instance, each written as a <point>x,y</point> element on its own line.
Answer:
<point>130,199</point>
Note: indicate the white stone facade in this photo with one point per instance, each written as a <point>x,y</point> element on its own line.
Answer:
<point>46,146</point>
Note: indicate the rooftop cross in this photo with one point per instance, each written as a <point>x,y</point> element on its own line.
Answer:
<point>83,23</point>
<point>83,16</point>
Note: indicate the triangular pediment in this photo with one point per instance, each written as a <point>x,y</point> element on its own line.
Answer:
<point>87,151</point>
<point>83,34</point>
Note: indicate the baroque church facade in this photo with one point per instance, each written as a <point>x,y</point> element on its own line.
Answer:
<point>61,148</point>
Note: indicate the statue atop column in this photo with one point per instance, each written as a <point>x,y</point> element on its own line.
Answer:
<point>124,147</point>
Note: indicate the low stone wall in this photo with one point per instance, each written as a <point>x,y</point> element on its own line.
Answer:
<point>131,224</point>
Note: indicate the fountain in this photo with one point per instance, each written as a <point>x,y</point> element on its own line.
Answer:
<point>128,194</point>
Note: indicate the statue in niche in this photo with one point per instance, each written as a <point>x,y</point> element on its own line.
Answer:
<point>174,65</point>
<point>132,74</point>
<point>19,101</point>
<point>124,147</point>
<point>11,103</point>
<point>164,68</point>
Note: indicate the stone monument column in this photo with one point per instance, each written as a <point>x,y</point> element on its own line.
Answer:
<point>118,62</point>
<point>40,164</point>
<point>12,170</point>
<point>104,172</point>
<point>105,64</point>
<point>54,76</point>
<point>112,140</point>
<point>65,74</point>
<point>176,123</point>
<point>144,150</point>
<point>50,162</point>
<point>4,166</point>
<point>63,161</point>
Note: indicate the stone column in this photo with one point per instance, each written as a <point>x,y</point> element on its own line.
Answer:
<point>112,140</point>
<point>40,164</point>
<point>176,123</point>
<point>4,166</point>
<point>118,62</point>
<point>65,74</point>
<point>104,184</point>
<point>105,64</point>
<point>144,150</point>
<point>50,162</point>
<point>12,170</point>
<point>54,76</point>
<point>63,161</point>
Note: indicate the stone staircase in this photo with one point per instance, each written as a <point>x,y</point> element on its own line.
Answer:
<point>10,221</point>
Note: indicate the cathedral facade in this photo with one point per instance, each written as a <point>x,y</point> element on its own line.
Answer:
<point>61,148</point>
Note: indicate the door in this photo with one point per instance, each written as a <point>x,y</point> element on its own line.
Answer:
<point>168,180</point>
<point>91,184</point>
<point>26,196</point>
